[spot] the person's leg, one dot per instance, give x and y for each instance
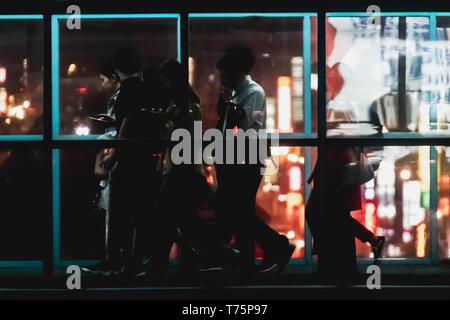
(250, 228)
(234, 211)
(190, 187)
(145, 213)
(365, 235)
(225, 215)
(161, 228)
(136, 208)
(162, 239)
(360, 231)
(176, 206)
(350, 270)
(312, 218)
(205, 238)
(269, 239)
(120, 226)
(340, 242)
(337, 256)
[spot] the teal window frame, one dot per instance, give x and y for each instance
(307, 138)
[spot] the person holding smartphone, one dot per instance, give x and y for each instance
(110, 83)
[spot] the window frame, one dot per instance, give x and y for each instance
(51, 142)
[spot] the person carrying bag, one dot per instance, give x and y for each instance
(359, 171)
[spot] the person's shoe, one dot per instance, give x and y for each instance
(141, 273)
(103, 268)
(378, 247)
(233, 262)
(211, 267)
(131, 271)
(208, 264)
(150, 267)
(277, 261)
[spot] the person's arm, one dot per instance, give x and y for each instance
(100, 171)
(336, 159)
(122, 110)
(224, 95)
(123, 128)
(107, 118)
(109, 160)
(254, 106)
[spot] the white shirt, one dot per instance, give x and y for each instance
(252, 98)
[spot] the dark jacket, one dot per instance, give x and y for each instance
(133, 104)
(340, 200)
(129, 99)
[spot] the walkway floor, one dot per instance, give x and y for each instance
(296, 282)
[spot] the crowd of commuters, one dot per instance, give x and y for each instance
(151, 203)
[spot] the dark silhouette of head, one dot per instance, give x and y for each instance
(126, 61)
(234, 64)
(153, 86)
(150, 75)
(108, 76)
(171, 73)
(174, 81)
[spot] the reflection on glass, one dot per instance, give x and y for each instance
(441, 78)
(20, 77)
(280, 202)
(281, 197)
(396, 203)
(23, 215)
(278, 47)
(82, 52)
(443, 213)
(385, 78)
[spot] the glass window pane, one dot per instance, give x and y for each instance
(280, 202)
(21, 84)
(23, 195)
(276, 42)
(441, 78)
(281, 197)
(396, 203)
(82, 53)
(82, 223)
(314, 76)
(380, 78)
(443, 213)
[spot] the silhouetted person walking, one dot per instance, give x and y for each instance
(110, 83)
(184, 187)
(239, 183)
(134, 180)
(334, 238)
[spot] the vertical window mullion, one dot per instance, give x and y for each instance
(55, 76)
(47, 115)
(321, 118)
(401, 86)
(307, 108)
(307, 73)
(434, 196)
(183, 36)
